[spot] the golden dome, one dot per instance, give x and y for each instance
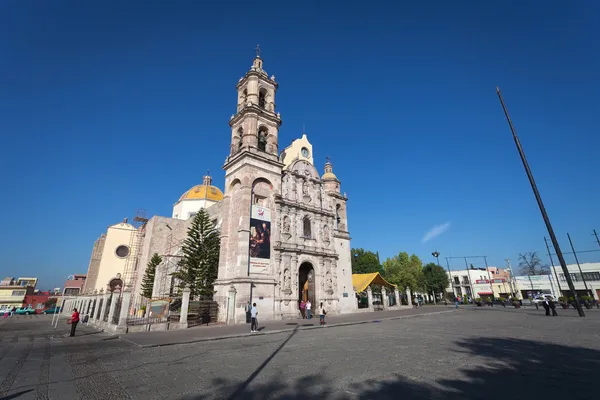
(199, 192)
(328, 175)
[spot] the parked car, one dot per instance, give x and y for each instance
(25, 311)
(53, 310)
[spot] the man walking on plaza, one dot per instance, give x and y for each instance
(253, 314)
(308, 307)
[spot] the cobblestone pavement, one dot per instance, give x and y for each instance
(474, 353)
(212, 332)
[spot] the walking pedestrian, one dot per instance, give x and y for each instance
(553, 308)
(254, 313)
(6, 313)
(456, 302)
(74, 321)
(322, 314)
(546, 307)
(308, 307)
(302, 309)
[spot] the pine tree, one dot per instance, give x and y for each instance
(148, 281)
(199, 266)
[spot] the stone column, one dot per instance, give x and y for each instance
(231, 295)
(185, 305)
(384, 299)
(124, 312)
(104, 306)
(409, 297)
(397, 296)
(113, 306)
(370, 298)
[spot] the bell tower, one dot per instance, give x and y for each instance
(252, 182)
(256, 123)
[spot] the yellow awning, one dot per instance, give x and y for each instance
(363, 281)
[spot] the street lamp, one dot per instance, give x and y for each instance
(436, 254)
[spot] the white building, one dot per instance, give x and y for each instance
(479, 282)
(531, 285)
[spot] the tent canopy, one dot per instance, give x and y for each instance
(363, 281)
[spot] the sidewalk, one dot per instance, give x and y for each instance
(217, 332)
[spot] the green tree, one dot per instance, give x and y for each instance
(405, 271)
(148, 281)
(199, 266)
(365, 262)
(435, 278)
(51, 302)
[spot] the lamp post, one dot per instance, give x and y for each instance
(541, 206)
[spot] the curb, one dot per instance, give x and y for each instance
(274, 332)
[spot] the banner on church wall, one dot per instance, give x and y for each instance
(260, 239)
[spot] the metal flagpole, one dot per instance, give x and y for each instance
(538, 197)
(553, 267)
(579, 266)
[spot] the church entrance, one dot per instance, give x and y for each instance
(306, 283)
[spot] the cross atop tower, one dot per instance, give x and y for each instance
(257, 50)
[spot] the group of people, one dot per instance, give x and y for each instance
(549, 305)
(306, 308)
(9, 312)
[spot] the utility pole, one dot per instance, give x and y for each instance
(541, 206)
(579, 266)
(553, 267)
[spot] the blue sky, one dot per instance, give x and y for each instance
(118, 106)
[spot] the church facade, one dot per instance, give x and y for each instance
(284, 228)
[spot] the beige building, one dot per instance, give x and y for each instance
(110, 255)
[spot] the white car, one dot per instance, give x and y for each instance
(542, 298)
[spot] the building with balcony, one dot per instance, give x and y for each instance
(14, 290)
(74, 285)
(481, 282)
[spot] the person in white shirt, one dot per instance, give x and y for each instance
(308, 309)
(253, 314)
(322, 314)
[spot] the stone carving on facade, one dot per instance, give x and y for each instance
(342, 227)
(326, 233)
(286, 228)
(287, 281)
(328, 283)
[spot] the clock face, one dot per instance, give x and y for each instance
(304, 152)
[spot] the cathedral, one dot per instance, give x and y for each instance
(283, 226)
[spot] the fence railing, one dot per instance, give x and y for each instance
(145, 311)
(204, 312)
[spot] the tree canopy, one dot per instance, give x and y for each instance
(199, 266)
(435, 278)
(148, 280)
(365, 262)
(531, 264)
(404, 270)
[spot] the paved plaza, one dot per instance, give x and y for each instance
(470, 353)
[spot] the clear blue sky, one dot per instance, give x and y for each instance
(116, 106)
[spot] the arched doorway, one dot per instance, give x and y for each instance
(306, 283)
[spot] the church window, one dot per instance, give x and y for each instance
(262, 139)
(262, 98)
(337, 216)
(240, 133)
(306, 225)
(122, 251)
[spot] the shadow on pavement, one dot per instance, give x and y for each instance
(508, 369)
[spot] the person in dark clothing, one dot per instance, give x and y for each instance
(553, 308)
(74, 322)
(546, 307)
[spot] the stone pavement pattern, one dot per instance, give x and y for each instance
(469, 354)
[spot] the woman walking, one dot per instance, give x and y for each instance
(302, 309)
(322, 314)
